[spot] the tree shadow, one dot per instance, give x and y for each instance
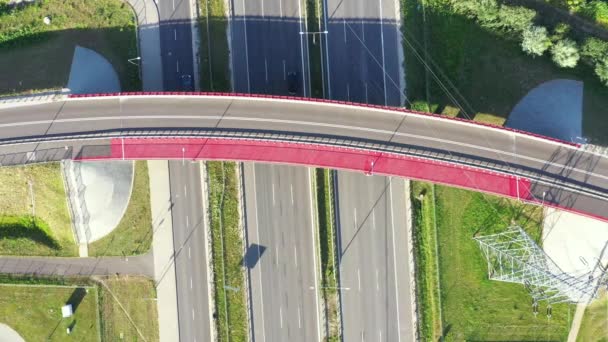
(14, 227)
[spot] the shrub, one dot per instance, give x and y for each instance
(421, 106)
(535, 41)
(560, 31)
(594, 49)
(597, 11)
(565, 53)
(517, 18)
(601, 70)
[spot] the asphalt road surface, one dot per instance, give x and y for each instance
(266, 45)
(190, 251)
(571, 177)
(374, 262)
(364, 51)
(176, 42)
(282, 259)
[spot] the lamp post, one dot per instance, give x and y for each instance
(131, 60)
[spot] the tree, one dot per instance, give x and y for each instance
(535, 40)
(601, 70)
(594, 49)
(565, 53)
(517, 18)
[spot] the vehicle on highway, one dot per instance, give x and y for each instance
(292, 82)
(186, 83)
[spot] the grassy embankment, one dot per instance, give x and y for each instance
(35, 56)
(472, 306)
(490, 72)
(34, 220)
(227, 252)
(327, 250)
(594, 326)
(133, 235)
(213, 50)
(128, 309)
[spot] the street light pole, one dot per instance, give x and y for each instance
(131, 60)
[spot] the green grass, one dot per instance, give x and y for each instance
(133, 235)
(490, 71)
(474, 307)
(327, 249)
(38, 56)
(594, 326)
(425, 243)
(227, 252)
(51, 211)
(35, 312)
(137, 296)
(213, 50)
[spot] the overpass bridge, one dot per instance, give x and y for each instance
(371, 139)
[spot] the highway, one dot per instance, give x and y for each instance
(176, 41)
(267, 45)
(570, 176)
(190, 251)
(374, 262)
(281, 232)
(364, 52)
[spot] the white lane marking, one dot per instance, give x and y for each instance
(187, 221)
(383, 61)
(284, 70)
(185, 191)
(380, 332)
(362, 336)
(276, 255)
(281, 316)
(374, 219)
(344, 30)
(291, 188)
(262, 3)
(273, 201)
(175, 34)
(355, 218)
(266, 69)
(295, 255)
(377, 281)
(173, 4)
(348, 91)
(193, 314)
(189, 254)
(299, 318)
(281, 8)
(314, 254)
(359, 278)
(390, 191)
(247, 53)
(177, 65)
(257, 224)
(363, 29)
(302, 46)
(366, 96)
(191, 283)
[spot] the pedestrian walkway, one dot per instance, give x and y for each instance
(57, 266)
(149, 44)
(162, 245)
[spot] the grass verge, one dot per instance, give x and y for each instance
(34, 55)
(313, 21)
(213, 51)
(133, 234)
(425, 243)
(34, 191)
(474, 307)
(594, 326)
(128, 309)
(227, 252)
(491, 72)
(34, 311)
(324, 184)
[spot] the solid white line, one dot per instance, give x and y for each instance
(173, 4)
(262, 3)
(295, 255)
(359, 278)
(246, 51)
(257, 224)
(377, 281)
(374, 219)
(281, 316)
(302, 47)
(266, 69)
(291, 188)
(355, 217)
(363, 29)
(299, 318)
(344, 30)
(314, 254)
(276, 255)
(175, 34)
(185, 191)
(189, 254)
(273, 202)
(380, 331)
(187, 222)
(193, 314)
(191, 283)
(383, 62)
(390, 190)
(281, 8)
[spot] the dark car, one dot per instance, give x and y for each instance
(292, 82)
(186, 83)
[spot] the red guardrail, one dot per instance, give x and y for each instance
(308, 99)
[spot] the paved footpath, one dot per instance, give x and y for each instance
(57, 266)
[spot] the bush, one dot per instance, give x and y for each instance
(565, 53)
(517, 19)
(421, 106)
(597, 11)
(560, 31)
(594, 49)
(535, 41)
(601, 70)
